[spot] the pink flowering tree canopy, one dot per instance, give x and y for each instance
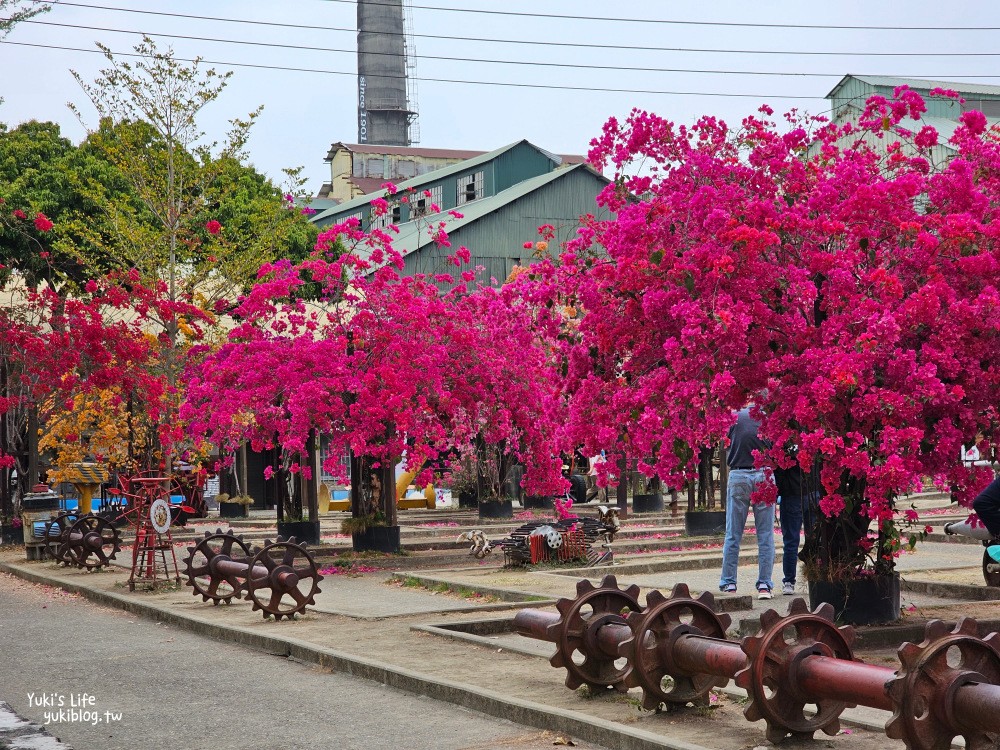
(383, 365)
(55, 347)
(836, 276)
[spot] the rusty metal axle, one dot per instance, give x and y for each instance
(947, 685)
(222, 567)
(88, 541)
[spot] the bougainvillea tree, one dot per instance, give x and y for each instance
(58, 351)
(382, 365)
(836, 276)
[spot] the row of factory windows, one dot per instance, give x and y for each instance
(468, 188)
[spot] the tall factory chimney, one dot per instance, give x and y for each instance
(386, 94)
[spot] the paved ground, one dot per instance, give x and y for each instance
(493, 676)
(142, 684)
(17, 733)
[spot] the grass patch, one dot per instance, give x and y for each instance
(162, 587)
(447, 589)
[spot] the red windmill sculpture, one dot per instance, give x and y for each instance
(150, 511)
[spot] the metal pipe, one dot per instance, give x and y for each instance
(237, 569)
(91, 539)
(842, 680)
(532, 623)
(976, 705)
(698, 654)
(610, 636)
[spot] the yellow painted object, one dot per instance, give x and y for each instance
(403, 482)
(87, 478)
(427, 501)
(408, 503)
(324, 499)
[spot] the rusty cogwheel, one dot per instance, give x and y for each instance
(575, 633)
(201, 566)
(773, 657)
(94, 542)
(57, 537)
(650, 649)
(931, 672)
(283, 568)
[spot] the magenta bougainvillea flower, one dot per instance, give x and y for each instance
(839, 277)
(384, 365)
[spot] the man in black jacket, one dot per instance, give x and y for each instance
(796, 502)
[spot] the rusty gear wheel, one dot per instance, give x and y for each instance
(576, 631)
(98, 545)
(282, 568)
(57, 537)
(201, 568)
(930, 673)
(772, 659)
(650, 649)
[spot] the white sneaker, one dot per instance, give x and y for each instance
(764, 593)
(788, 589)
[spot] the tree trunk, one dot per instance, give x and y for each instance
(622, 487)
(6, 501)
(32, 448)
(243, 470)
(312, 497)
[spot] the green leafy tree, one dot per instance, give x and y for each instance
(13, 12)
(41, 172)
(191, 186)
(197, 218)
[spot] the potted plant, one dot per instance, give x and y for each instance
(292, 487)
(371, 533)
(704, 517)
(646, 496)
(494, 466)
(373, 491)
(234, 506)
(464, 485)
(851, 565)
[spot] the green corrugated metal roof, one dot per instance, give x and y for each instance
(944, 126)
(413, 235)
(921, 83)
(437, 174)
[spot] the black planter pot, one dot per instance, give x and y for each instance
(538, 502)
(304, 531)
(496, 509)
(377, 539)
(704, 522)
(859, 601)
(648, 503)
(233, 510)
(10, 535)
(468, 500)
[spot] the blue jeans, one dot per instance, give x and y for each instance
(794, 511)
(742, 483)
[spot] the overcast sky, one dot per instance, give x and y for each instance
(304, 112)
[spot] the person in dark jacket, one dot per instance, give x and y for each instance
(987, 507)
(796, 501)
